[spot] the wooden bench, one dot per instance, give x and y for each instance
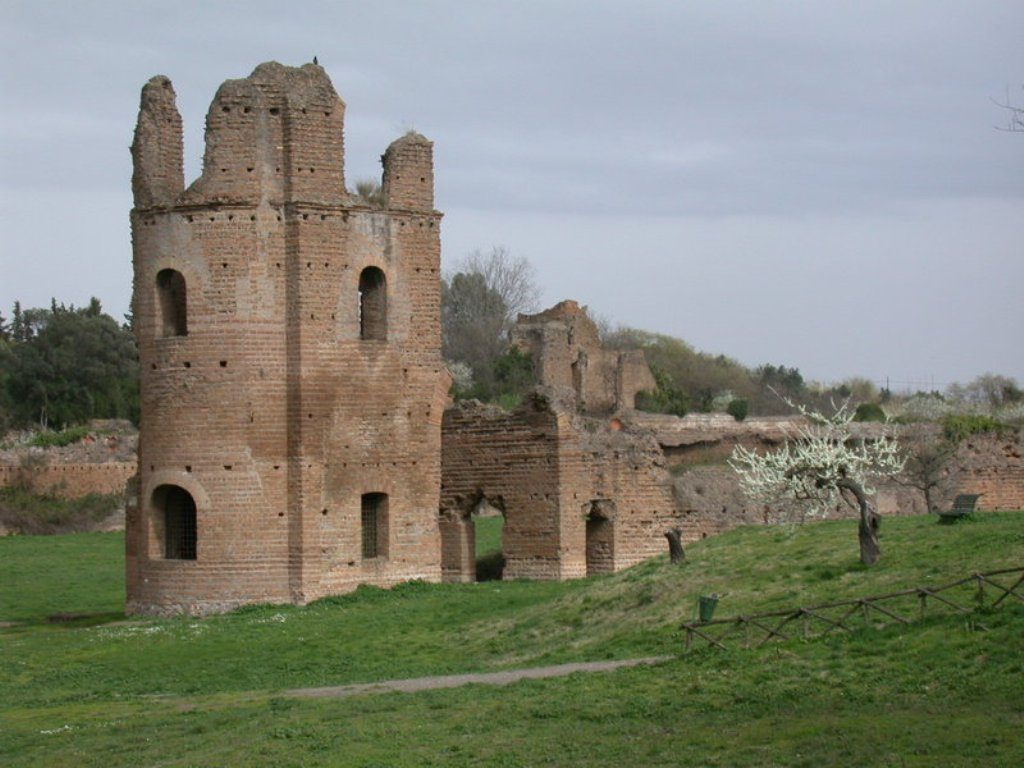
(963, 506)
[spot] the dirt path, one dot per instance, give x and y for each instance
(413, 684)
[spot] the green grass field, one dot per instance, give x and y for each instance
(104, 691)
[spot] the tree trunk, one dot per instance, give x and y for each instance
(675, 545)
(870, 549)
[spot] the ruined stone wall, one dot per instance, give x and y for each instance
(613, 479)
(709, 497)
(70, 481)
(695, 431)
(265, 394)
(711, 502)
(512, 460)
(567, 354)
(579, 497)
(992, 465)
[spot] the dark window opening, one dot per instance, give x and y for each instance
(373, 304)
(173, 302)
(375, 525)
(178, 510)
(600, 538)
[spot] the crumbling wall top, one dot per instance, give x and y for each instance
(408, 179)
(158, 175)
(275, 135)
(568, 353)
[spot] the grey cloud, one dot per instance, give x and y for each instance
(739, 134)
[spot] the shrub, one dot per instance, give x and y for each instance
(869, 412)
(31, 513)
(666, 398)
(50, 439)
(512, 378)
(508, 401)
(923, 406)
(738, 408)
(1012, 414)
(956, 427)
(371, 192)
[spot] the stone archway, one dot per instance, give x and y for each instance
(458, 538)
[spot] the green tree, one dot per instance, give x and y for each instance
(473, 324)
(480, 302)
(512, 378)
(700, 376)
(69, 366)
(781, 378)
(738, 409)
(666, 398)
(17, 324)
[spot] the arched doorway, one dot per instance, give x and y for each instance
(600, 521)
(470, 553)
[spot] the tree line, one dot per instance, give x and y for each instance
(66, 365)
(63, 365)
(486, 292)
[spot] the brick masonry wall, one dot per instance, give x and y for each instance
(711, 502)
(272, 411)
(618, 475)
(992, 465)
(567, 354)
(709, 497)
(70, 481)
(549, 471)
(511, 459)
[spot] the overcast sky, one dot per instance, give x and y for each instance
(813, 184)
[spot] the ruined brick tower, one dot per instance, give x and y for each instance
(289, 341)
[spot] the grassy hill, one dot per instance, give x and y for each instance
(100, 690)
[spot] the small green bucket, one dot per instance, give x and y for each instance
(707, 605)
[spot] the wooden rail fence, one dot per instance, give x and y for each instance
(847, 615)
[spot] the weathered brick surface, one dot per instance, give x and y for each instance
(277, 395)
(618, 475)
(711, 501)
(273, 412)
(992, 465)
(549, 469)
(567, 354)
(512, 459)
(68, 480)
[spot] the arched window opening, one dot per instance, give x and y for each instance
(170, 286)
(375, 525)
(373, 304)
(177, 510)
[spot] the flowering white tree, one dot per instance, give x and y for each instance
(821, 464)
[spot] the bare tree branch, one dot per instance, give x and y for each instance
(1015, 115)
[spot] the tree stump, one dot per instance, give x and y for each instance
(675, 545)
